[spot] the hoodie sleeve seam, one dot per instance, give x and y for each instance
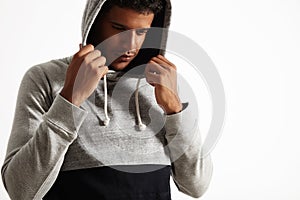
(69, 133)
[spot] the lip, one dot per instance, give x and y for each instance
(125, 58)
(125, 53)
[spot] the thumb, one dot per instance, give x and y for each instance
(80, 46)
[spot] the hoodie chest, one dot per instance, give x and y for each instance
(126, 101)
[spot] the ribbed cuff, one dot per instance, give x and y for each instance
(181, 122)
(66, 115)
(182, 132)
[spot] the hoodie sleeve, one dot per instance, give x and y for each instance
(190, 171)
(43, 128)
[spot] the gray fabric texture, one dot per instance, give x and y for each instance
(50, 134)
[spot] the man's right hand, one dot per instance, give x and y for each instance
(83, 74)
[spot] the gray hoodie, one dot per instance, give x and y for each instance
(50, 134)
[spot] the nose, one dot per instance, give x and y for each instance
(130, 40)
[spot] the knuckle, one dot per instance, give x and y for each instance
(90, 47)
(105, 68)
(77, 55)
(97, 53)
(95, 70)
(103, 59)
(85, 61)
(100, 62)
(101, 71)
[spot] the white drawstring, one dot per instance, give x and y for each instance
(107, 119)
(141, 126)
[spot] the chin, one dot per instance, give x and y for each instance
(118, 66)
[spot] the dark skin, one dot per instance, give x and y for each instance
(89, 65)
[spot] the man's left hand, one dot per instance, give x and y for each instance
(162, 74)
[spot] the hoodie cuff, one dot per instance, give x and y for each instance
(66, 115)
(184, 120)
(182, 133)
(182, 126)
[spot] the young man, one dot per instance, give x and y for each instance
(84, 132)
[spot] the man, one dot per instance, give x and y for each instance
(77, 131)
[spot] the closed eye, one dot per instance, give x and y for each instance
(119, 28)
(141, 31)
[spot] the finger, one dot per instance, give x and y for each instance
(153, 79)
(92, 55)
(99, 62)
(164, 62)
(161, 63)
(84, 50)
(102, 71)
(154, 67)
(167, 61)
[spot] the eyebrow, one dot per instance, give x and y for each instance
(126, 27)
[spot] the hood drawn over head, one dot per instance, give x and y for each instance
(155, 38)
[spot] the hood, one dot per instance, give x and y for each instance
(162, 20)
(156, 38)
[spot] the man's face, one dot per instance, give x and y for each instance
(121, 49)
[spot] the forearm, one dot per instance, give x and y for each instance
(30, 170)
(190, 172)
(28, 173)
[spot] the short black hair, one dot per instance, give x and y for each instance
(141, 6)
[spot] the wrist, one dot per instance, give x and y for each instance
(65, 93)
(173, 109)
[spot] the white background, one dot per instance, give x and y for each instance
(254, 44)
